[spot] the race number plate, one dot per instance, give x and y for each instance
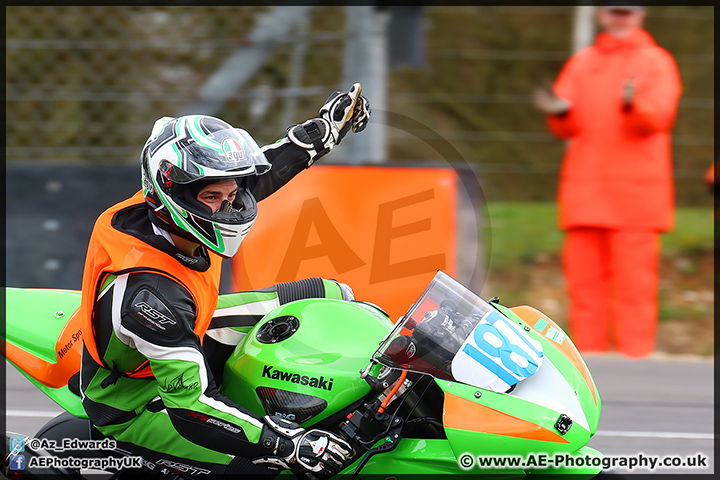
(496, 355)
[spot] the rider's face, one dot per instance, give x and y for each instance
(214, 194)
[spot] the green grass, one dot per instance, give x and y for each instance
(520, 232)
(693, 232)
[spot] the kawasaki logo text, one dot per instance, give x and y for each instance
(269, 372)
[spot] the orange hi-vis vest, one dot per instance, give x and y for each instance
(113, 252)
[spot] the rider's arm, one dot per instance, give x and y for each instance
(306, 142)
(287, 160)
(197, 410)
(237, 313)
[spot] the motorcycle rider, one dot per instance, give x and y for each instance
(150, 292)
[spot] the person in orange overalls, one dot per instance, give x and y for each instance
(709, 180)
(710, 177)
(616, 102)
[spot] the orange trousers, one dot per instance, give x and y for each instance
(612, 281)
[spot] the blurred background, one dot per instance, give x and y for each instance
(85, 84)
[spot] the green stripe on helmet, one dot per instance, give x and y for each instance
(177, 152)
(198, 135)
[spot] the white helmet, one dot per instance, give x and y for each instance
(185, 154)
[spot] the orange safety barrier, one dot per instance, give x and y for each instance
(384, 231)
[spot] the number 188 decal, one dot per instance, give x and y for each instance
(496, 355)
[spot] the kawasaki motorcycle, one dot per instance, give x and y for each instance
(458, 385)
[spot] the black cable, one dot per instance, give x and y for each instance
(370, 453)
(387, 429)
(422, 394)
(400, 403)
(404, 397)
(362, 463)
(430, 420)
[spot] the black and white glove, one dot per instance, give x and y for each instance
(342, 112)
(346, 110)
(313, 453)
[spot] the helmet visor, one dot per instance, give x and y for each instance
(225, 153)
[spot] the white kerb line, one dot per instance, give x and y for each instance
(599, 433)
(688, 435)
(32, 413)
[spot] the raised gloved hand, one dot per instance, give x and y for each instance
(342, 112)
(346, 110)
(546, 101)
(313, 453)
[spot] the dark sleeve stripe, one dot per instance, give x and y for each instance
(287, 160)
(211, 432)
(235, 321)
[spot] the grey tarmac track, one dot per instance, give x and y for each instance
(660, 406)
(656, 407)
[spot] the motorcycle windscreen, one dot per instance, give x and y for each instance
(453, 334)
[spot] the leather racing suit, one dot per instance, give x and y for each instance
(149, 369)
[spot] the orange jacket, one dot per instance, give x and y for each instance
(617, 169)
(710, 174)
(114, 252)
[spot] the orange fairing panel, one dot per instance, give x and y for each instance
(68, 349)
(531, 316)
(463, 414)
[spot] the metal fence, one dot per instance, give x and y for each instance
(85, 83)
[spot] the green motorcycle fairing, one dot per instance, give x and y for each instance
(314, 371)
(334, 340)
(308, 368)
(44, 341)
